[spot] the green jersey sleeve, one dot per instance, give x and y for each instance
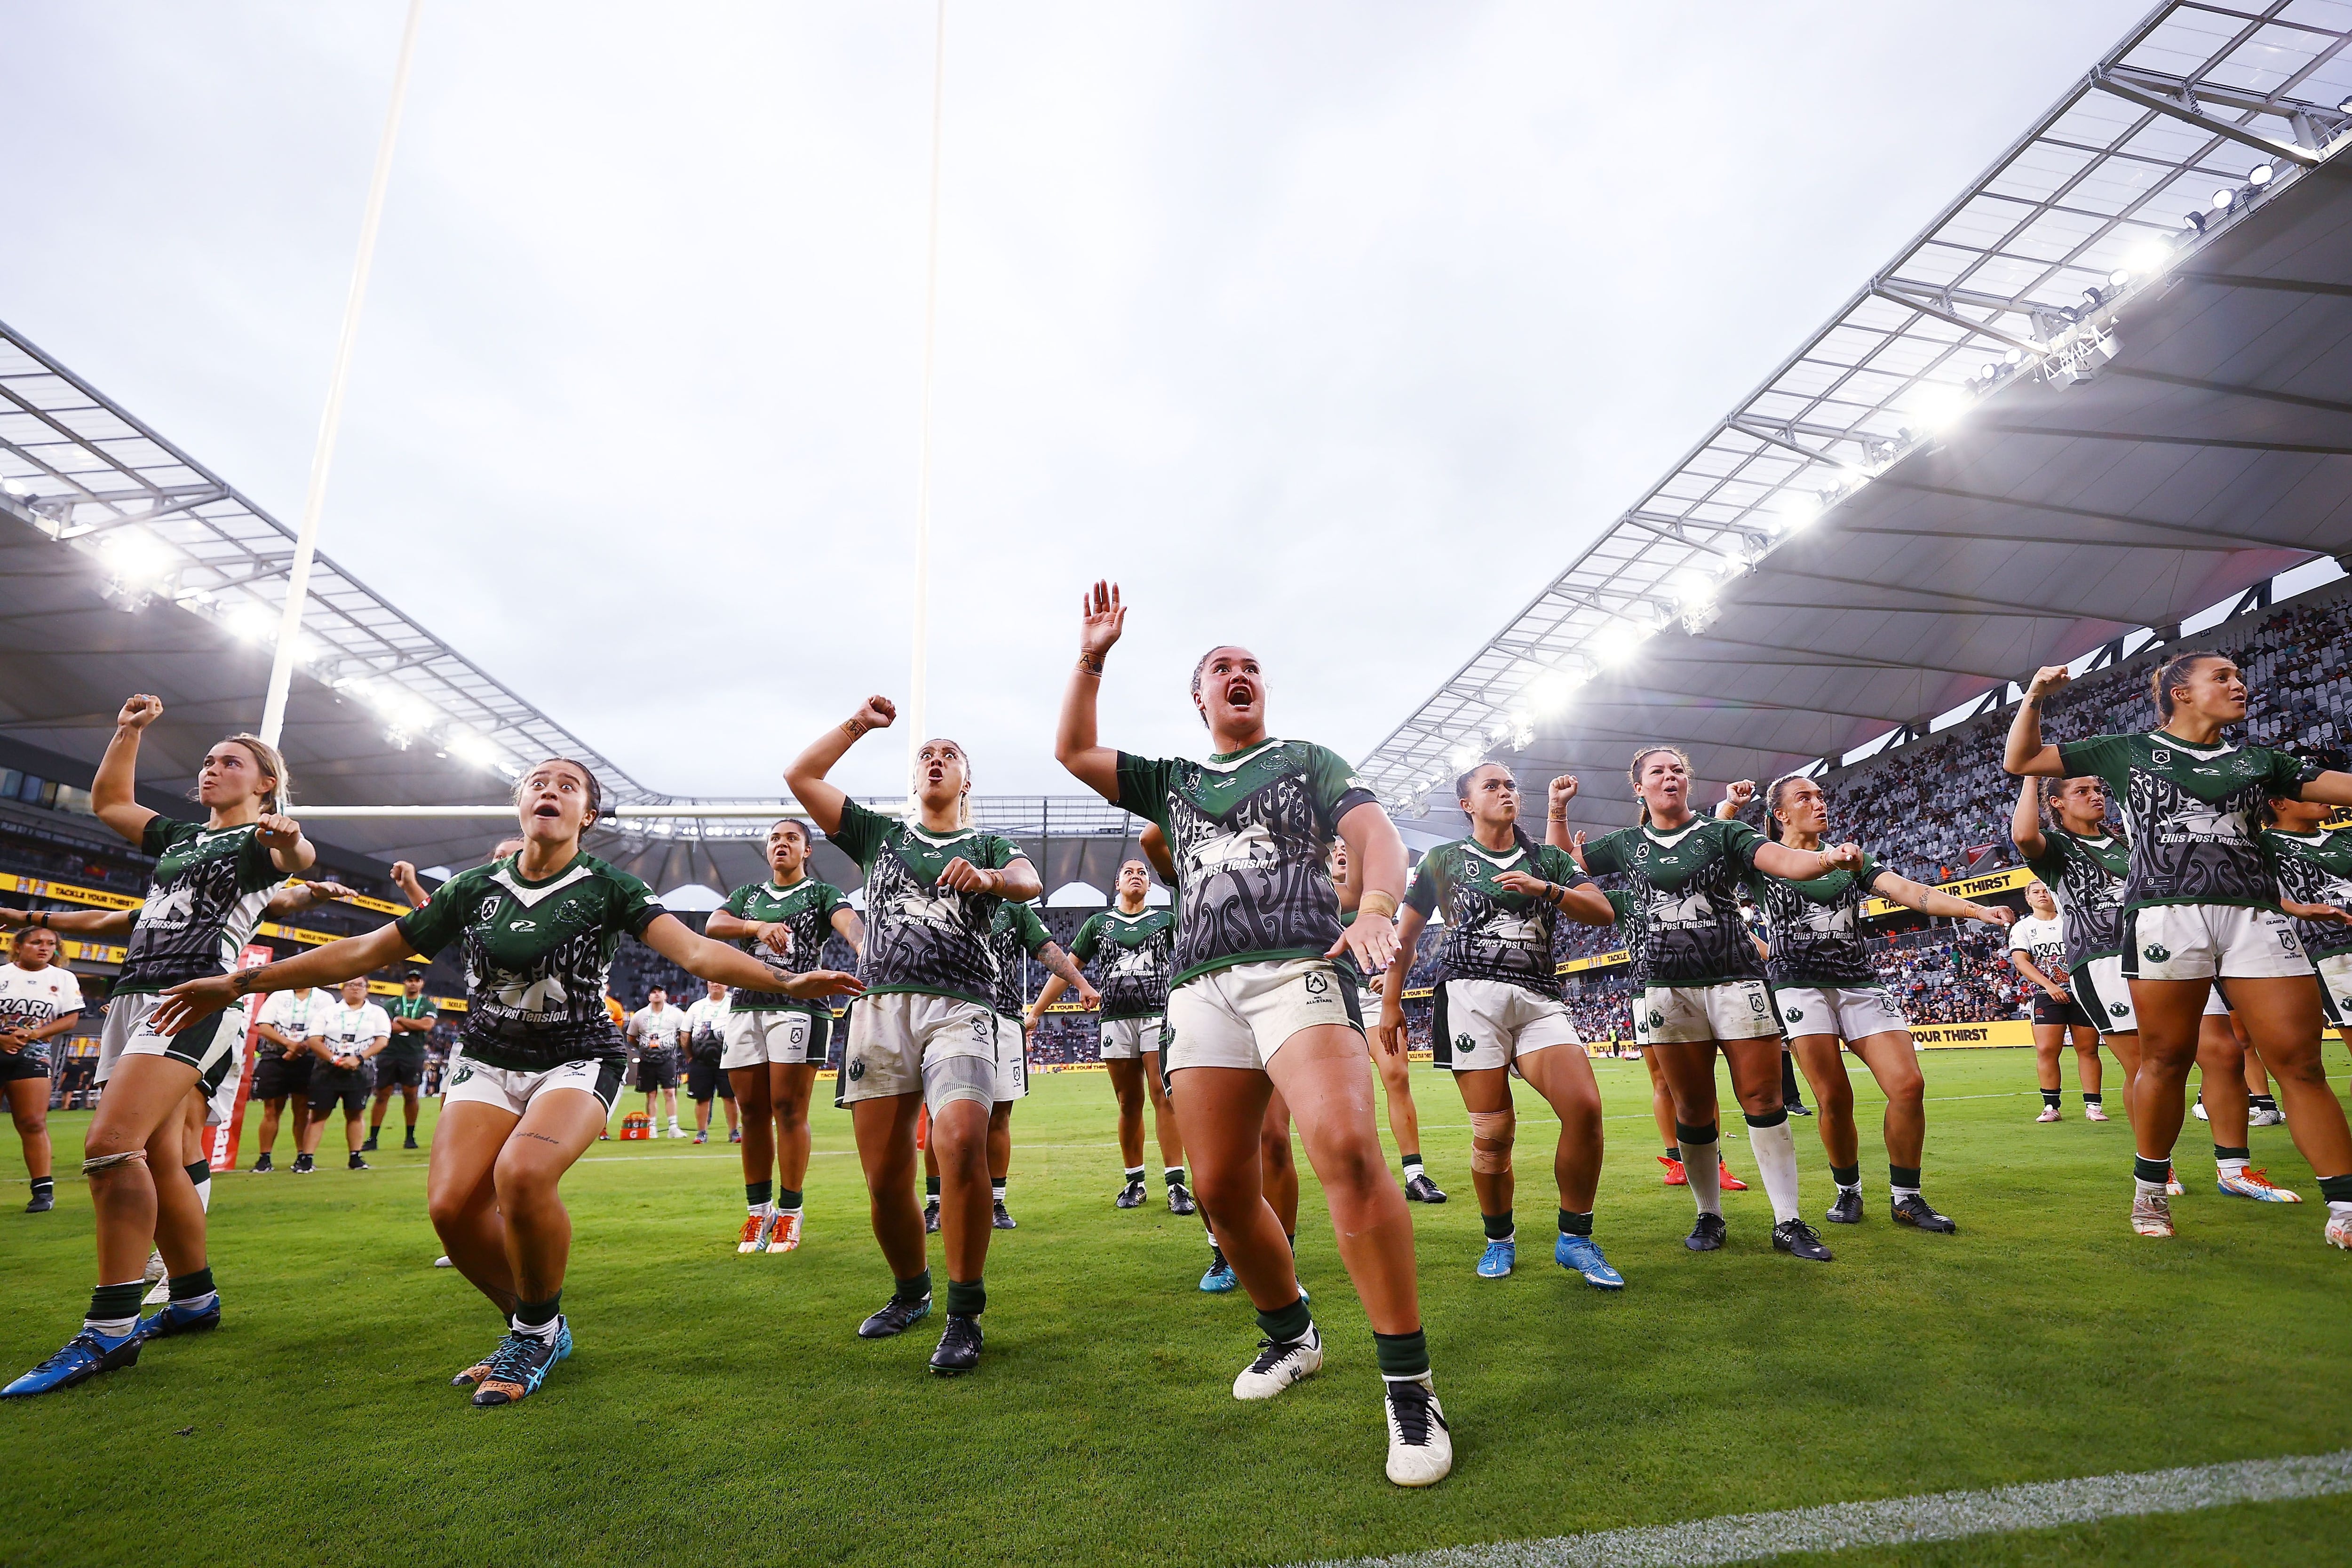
(738, 900)
(1554, 864)
(1338, 790)
(861, 833)
(1143, 788)
(1082, 947)
(435, 926)
(635, 906)
(2104, 756)
(1606, 854)
(1740, 842)
(157, 835)
(1422, 893)
(833, 902)
(2288, 773)
(1033, 935)
(1002, 852)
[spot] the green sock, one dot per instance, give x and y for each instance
(788, 1200)
(967, 1298)
(1575, 1223)
(2336, 1189)
(1498, 1225)
(1173, 1175)
(1846, 1175)
(112, 1303)
(931, 1188)
(2147, 1170)
(1411, 1166)
(913, 1288)
(756, 1193)
(192, 1287)
(1403, 1356)
(1284, 1324)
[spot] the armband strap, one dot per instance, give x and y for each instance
(1377, 903)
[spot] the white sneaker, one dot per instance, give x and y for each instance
(1421, 1447)
(2049, 1113)
(2339, 1228)
(2197, 1110)
(1278, 1366)
(443, 1262)
(2094, 1114)
(677, 1131)
(155, 1270)
(2151, 1215)
(2271, 1116)
(2172, 1187)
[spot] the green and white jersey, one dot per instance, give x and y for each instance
(1135, 952)
(807, 907)
(2315, 868)
(1687, 884)
(209, 889)
(1014, 932)
(921, 937)
(1250, 832)
(1814, 927)
(2086, 876)
(1491, 932)
(406, 1044)
(2190, 814)
(537, 954)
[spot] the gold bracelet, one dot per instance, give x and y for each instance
(1377, 903)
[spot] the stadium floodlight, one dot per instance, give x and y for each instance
(15, 487)
(1796, 511)
(2147, 258)
(2224, 199)
(2261, 174)
(1938, 405)
(1550, 691)
(470, 748)
(1523, 731)
(1466, 757)
(251, 623)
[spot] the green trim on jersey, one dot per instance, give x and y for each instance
(1491, 932)
(1814, 927)
(2315, 868)
(537, 955)
(1137, 950)
(1014, 932)
(1250, 832)
(211, 885)
(2086, 876)
(2190, 814)
(1688, 884)
(807, 907)
(922, 938)
(407, 1045)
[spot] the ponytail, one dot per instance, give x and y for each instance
(2174, 672)
(1772, 804)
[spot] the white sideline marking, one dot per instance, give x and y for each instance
(1902, 1522)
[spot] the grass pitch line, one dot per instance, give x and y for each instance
(1902, 1521)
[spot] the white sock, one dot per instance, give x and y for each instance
(197, 1303)
(2149, 1189)
(996, 1190)
(545, 1331)
(112, 1328)
(1705, 1173)
(763, 1210)
(2337, 1205)
(204, 1195)
(1776, 1160)
(2231, 1167)
(1899, 1193)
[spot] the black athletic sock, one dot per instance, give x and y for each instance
(1846, 1175)
(2147, 1170)
(758, 1195)
(1903, 1178)
(913, 1288)
(1575, 1223)
(1674, 1152)
(1790, 1094)
(1173, 1175)
(111, 1306)
(45, 1186)
(788, 1200)
(2049, 1097)
(537, 1318)
(1290, 1240)
(932, 1189)
(192, 1288)
(1498, 1225)
(2262, 1102)
(1402, 1356)
(200, 1171)
(967, 1298)
(2090, 1097)
(1284, 1324)
(2336, 1189)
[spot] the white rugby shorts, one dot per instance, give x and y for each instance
(512, 1089)
(1012, 1059)
(1126, 1039)
(2207, 942)
(908, 1042)
(1849, 1011)
(1240, 1016)
(1476, 1024)
(784, 1035)
(1731, 1010)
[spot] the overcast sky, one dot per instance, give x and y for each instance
(1334, 329)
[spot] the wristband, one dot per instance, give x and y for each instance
(1377, 903)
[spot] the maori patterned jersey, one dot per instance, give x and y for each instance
(1491, 932)
(1135, 950)
(1686, 885)
(806, 908)
(2315, 868)
(2086, 876)
(2190, 813)
(1814, 928)
(1015, 933)
(536, 954)
(1250, 832)
(921, 937)
(210, 886)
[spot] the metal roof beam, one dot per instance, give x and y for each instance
(1893, 296)
(2231, 389)
(2125, 83)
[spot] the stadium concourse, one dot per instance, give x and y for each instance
(2093, 416)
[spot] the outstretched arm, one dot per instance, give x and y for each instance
(1912, 895)
(112, 791)
(1101, 619)
(1583, 903)
(821, 800)
(1804, 865)
(2025, 822)
(329, 965)
(2026, 753)
(2330, 789)
(74, 922)
(707, 959)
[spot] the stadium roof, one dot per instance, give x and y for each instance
(2108, 386)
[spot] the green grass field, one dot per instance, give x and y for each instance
(720, 1409)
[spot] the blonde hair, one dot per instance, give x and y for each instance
(1634, 772)
(272, 763)
(915, 782)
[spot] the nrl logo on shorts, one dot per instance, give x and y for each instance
(2156, 952)
(1316, 983)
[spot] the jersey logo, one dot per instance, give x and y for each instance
(2160, 757)
(522, 925)
(2156, 952)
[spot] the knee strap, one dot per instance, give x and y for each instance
(1496, 1127)
(92, 1166)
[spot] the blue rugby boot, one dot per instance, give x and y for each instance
(521, 1363)
(85, 1355)
(1498, 1259)
(174, 1318)
(1579, 1255)
(1220, 1276)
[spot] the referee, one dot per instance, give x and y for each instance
(401, 1064)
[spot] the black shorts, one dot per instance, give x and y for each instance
(656, 1072)
(275, 1077)
(2049, 1009)
(706, 1079)
(398, 1072)
(329, 1088)
(16, 1066)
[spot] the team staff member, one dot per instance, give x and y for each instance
(281, 1069)
(401, 1064)
(924, 1036)
(345, 1041)
(706, 1043)
(658, 1030)
(39, 1000)
(1257, 1007)
(2200, 907)
(776, 1041)
(2037, 949)
(211, 881)
(1132, 944)
(542, 1063)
